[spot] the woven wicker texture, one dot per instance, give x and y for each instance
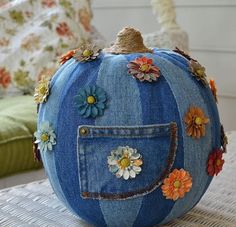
(35, 204)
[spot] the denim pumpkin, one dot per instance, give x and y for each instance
(147, 116)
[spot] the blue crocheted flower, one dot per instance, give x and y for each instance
(45, 137)
(91, 101)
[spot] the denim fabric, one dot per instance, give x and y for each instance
(65, 150)
(158, 99)
(197, 150)
(120, 112)
(49, 113)
(94, 148)
(130, 104)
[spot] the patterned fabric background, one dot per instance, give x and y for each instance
(33, 33)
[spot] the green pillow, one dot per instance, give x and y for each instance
(17, 125)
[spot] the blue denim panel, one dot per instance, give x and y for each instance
(152, 142)
(214, 119)
(124, 109)
(66, 154)
(49, 112)
(207, 97)
(158, 99)
(213, 114)
(177, 58)
(195, 150)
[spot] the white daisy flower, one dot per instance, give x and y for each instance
(45, 137)
(125, 162)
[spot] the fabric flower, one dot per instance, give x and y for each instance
(86, 52)
(5, 78)
(223, 139)
(45, 137)
(177, 184)
(91, 101)
(125, 162)
(177, 50)
(65, 57)
(213, 89)
(215, 162)
(195, 121)
(143, 69)
(42, 90)
(198, 71)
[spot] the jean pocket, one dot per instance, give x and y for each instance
(105, 153)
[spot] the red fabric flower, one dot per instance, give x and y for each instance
(63, 29)
(5, 78)
(215, 162)
(143, 69)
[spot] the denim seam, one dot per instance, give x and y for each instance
(154, 131)
(146, 190)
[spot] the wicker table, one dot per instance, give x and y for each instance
(35, 204)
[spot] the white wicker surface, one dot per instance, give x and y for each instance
(35, 204)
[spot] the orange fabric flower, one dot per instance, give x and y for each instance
(65, 57)
(5, 78)
(143, 69)
(177, 184)
(195, 121)
(215, 162)
(213, 89)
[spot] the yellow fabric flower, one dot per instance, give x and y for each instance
(42, 90)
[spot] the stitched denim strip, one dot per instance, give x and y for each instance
(158, 99)
(127, 131)
(120, 113)
(48, 112)
(66, 155)
(196, 150)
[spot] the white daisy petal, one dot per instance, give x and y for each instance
(126, 174)
(120, 172)
(112, 161)
(136, 156)
(49, 146)
(137, 169)
(132, 173)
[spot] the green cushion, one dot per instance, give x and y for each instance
(17, 125)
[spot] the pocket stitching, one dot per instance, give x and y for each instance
(141, 192)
